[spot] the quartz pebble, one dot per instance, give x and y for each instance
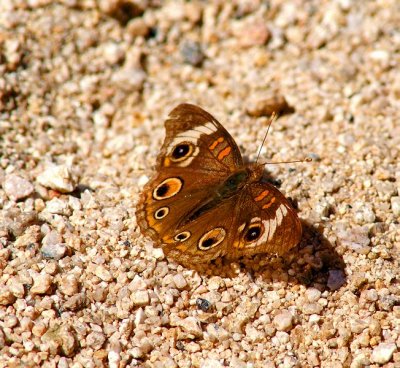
(192, 326)
(57, 177)
(283, 321)
(41, 284)
(383, 353)
(17, 187)
(395, 203)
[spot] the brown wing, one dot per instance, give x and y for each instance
(266, 222)
(197, 155)
(195, 140)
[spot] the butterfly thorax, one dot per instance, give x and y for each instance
(240, 178)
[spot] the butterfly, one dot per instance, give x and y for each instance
(204, 202)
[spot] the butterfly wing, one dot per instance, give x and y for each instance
(267, 223)
(197, 155)
(197, 141)
(259, 219)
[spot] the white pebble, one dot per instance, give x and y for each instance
(17, 187)
(283, 321)
(383, 352)
(58, 177)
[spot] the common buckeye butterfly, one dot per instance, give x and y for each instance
(204, 202)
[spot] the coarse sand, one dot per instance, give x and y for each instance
(84, 89)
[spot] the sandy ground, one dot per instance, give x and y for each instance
(84, 89)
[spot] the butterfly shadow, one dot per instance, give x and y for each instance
(314, 262)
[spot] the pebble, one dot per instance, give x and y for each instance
(252, 33)
(217, 333)
(212, 363)
(6, 296)
(61, 339)
(17, 188)
(356, 239)
(283, 321)
(312, 294)
(57, 206)
(53, 246)
(336, 279)
(41, 284)
(179, 281)
(69, 284)
(358, 325)
(192, 53)
(203, 304)
(104, 274)
(191, 326)
(140, 298)
(383, 352)
(95, 340)
(312, 308)
(268, 106)
(58, 177)
(395, 204)
(360, 361)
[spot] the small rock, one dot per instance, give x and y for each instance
(215, 283)
(130, 78)
(217, 333)
(360, 361)
(212, 363)
(356, 239)
(203, 304)
(17, 187)
(52, 246)
(386, 190)
(192, 53)
(383, 352)
(140, 298)
(76, 302)
(358, 325)
(283, 321)
(312, 308)
(244, 312)
(16, 287)
(312, 294)
(268, 106)
(61, 340)
(179, 281)
(137, 27)
(57, 206)
(95, 340)
(69, 285)
(6, 296)
(395, 204)
(58, 177)
(252, 33)
(102, 273)
(336, 279)
(165, 362)
(253, 334)
(41, 284)
(191, 326)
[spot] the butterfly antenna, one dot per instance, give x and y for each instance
(273, 117)
(307, 159)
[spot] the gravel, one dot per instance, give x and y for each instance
(84, 90)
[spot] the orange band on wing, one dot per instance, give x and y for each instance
(225, 152)
(261, 196)
(269, 204)
(216, 143)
